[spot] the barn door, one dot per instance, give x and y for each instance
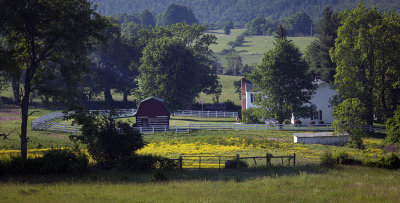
(145, 122)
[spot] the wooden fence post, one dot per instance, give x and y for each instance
(266, 159)
(237, 162)
(294, 159)
(199, 163)
(180, 163)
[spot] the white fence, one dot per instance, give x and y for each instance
(214, 114)
(50, 121)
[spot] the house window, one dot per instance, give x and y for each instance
(251, 98)
(317, 115)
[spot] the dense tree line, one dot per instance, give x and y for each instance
(240, 12)
(299, 24)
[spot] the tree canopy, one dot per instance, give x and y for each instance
(284, 83)
(367, 52)
(48, 36)
(317, 53)
(176, 14)
(176, 64)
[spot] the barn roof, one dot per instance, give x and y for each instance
(151, 109)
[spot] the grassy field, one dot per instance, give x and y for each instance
(228, 90)
(276, 184)
(307, 182)
(254, 47)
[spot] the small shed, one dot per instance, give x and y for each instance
(324, 138)
(152, 112)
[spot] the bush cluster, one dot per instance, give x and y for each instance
(137, 162)
(52, 162)
(251, 115)
(232, 164)
(329, 160)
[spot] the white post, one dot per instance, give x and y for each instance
(153, 129)
(165, 128)
(256, 126)
(176, 129)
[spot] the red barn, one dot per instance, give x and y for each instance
(152, 112)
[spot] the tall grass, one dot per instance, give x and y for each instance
(348, 184)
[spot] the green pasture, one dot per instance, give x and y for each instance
(254, 47)
(275, 184)
(228, 91)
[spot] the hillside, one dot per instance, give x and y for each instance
(238, 11)
(254, 47)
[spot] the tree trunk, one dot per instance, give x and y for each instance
(16, 93)
(125, 95)
(25, 108)
(107, 95)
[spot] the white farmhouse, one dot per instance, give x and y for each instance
(320, 99)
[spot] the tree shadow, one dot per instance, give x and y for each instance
(114, 176)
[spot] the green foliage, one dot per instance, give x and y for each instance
(312, 122)
(327, 160)
(251, 115)
(234, 64)
(137, 162)
(284, 83)
(392, 161)
(298, 24)
(52, 162)
(176, 65)
(106, 140)
(366, 53)
(227, 27)
(317, 53)
(286, 122)
(50, 38)
(349, 118)
(176, 14)
(393, 128)
(217, 13)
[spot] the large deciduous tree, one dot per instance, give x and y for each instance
(284, 83)
(42, 31)
(367, 52)
(177, 64)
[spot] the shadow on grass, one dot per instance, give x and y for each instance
(172, 175)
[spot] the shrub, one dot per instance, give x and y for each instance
(312, 122)
(320, 122)
(52, 162)
(286, 121)
(297, 122)
(232, 164)
(327, 160)
(158, 175)
(146, 163)
(389, 162)
(342, 157)
(105, 139)
(393, 128)
(251, 115)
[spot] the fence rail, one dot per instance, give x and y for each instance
(230, 162)
(213, 114)
(50, 121)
